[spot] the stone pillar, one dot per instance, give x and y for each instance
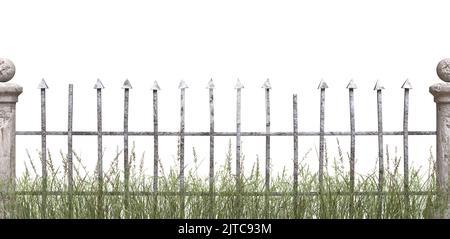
(441, 93)
(9, 93)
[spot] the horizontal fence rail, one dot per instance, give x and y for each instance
(247, 194)
(173, 133)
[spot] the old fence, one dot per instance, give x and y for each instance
(9, 93)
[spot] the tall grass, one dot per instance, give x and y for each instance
(333, 202)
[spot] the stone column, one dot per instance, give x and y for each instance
(441, 93)
(9, 93)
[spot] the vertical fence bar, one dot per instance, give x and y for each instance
(126, 86)
(238, 88)
(70, 151)
(267, 88)
(322, 86)
(238, 133)
(182, 88)
(211, 149)
(295, 187)
(351, 86)
(43, 86)
(155, 90)
(379, 89)
(406, 86)
(99, 86)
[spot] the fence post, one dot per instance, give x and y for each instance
(441, 93)
(9, 93)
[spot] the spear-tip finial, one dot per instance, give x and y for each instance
(266, 85)
(238, 84)
(127, 85)
(322, 85)
(210, 84)
(99, 85)
(378, 86)
(351, 84)
(182, 85)
(407, 84)
(42, 85)
(155, 86)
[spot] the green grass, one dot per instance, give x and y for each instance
(228, 204)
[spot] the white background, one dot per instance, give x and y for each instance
(294, 43)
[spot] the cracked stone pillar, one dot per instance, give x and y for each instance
(441, 93)
(9, 93)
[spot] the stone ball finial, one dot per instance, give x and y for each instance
(7, 70)
(443, 69)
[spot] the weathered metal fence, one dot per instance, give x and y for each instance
(440, 91)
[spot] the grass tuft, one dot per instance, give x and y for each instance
(333, 202)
